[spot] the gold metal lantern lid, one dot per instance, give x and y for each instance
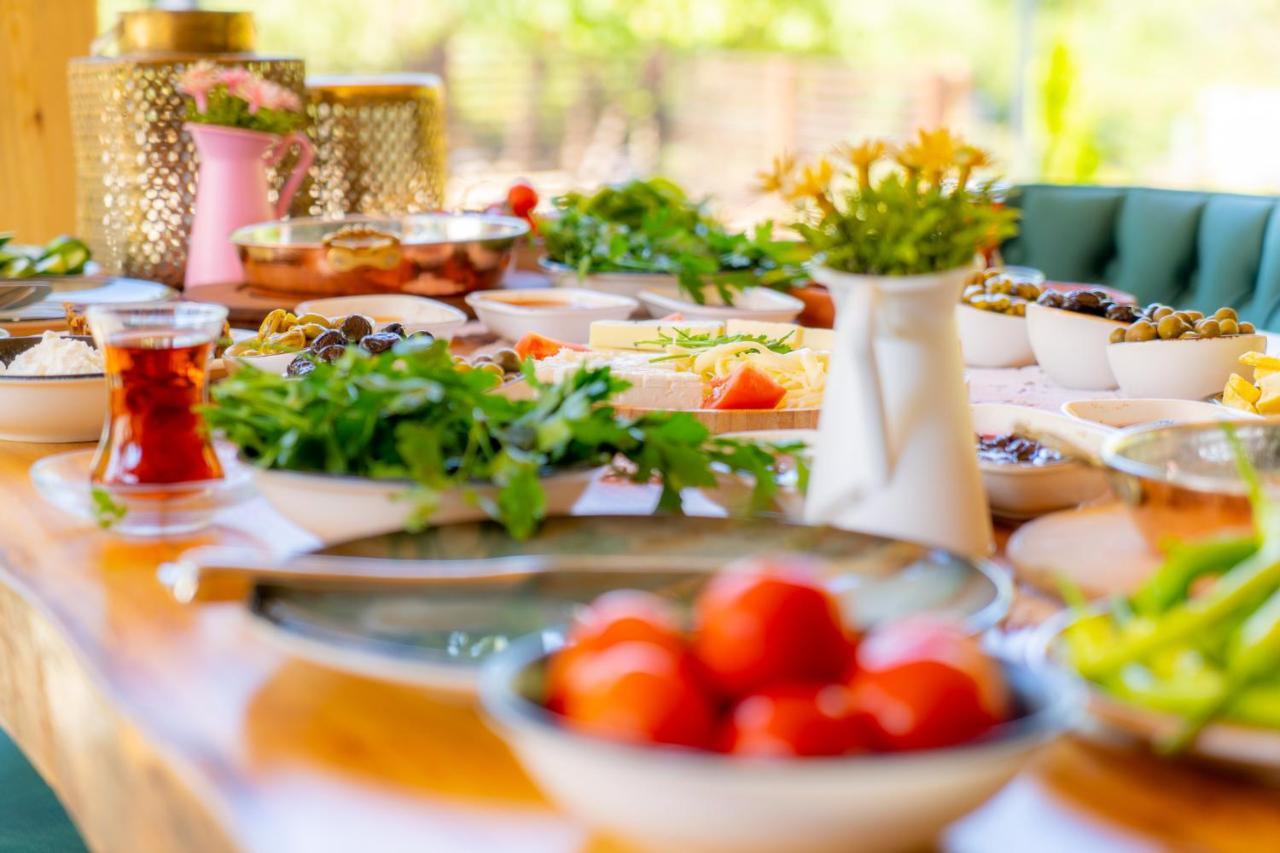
(157, 31)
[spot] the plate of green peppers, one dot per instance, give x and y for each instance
(1189, 664)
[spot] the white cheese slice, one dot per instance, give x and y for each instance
(820, 339)
(769, 330)
(627, 334)
(653, 386)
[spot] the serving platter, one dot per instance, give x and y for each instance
(92, 289)
(742, 420)
(428, 608)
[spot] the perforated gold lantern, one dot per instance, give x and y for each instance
(380, 145)
(135, 167)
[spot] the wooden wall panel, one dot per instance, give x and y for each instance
(37, 172)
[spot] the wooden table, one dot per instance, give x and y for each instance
(170, 727)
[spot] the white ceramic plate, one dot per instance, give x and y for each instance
(1125, 413)
(752, 303)
(620, 283)
(1025, 491)
(50, 409)
(336, 508)
(415, 313)
(1072, 347)
(1180, 369)
(90, 290)
(508, 313)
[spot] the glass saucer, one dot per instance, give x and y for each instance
(168, 509)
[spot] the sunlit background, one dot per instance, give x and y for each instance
(1180, 93)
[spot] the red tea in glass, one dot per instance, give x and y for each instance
(157, 370)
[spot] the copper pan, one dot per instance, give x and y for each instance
(428, 254)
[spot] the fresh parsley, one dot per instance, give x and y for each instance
(705, 340)
(653, 227)
(412, 414)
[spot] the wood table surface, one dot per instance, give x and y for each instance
(171, 727)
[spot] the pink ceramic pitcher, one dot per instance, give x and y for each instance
(232, 192)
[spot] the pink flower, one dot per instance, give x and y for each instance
(197, 80)
(283, 99)
(255, 92)
(236, 76)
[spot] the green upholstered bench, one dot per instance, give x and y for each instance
(1194, 250)
(31, 818)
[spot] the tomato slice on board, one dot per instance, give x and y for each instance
(540, 346)
(746, 388)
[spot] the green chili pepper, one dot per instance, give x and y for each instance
(1186, 564)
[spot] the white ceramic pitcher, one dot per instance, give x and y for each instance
(895, 451)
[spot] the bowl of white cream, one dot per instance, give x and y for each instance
(52, 389)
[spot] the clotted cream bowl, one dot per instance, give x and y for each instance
(620, 283)
(337, 508)
(563, 313)
(667, 798)
(50, 409)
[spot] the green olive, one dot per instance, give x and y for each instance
(1195, 315)
(971, 291)
(999, 302)
(999, 285)
(1226, 313)
(1159, 312)
(1190, 336)
(1247, 328)
(1118, 335)
(1142, 330)
(1228, 326)
(509, 359)
(312, 330)
(318, 319)
(1208, 328)
(1170, 326)
(1027, 290)
(490, 367)
(1018, 309)
(294, 339)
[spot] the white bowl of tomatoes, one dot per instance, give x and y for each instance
(769, 725)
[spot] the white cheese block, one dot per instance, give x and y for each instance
(627, 334)
(653, 386)
(823, 339)
(769, 330)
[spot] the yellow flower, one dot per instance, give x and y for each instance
(935, 151)
(863, 156)
(970, 157)
(813, 183)
(775, 180)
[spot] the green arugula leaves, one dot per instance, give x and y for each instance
(412, 414)
(653, 227)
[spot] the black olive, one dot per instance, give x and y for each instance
(1087, 298)
(1123, 313)
(330, 354)
(300, 366)
(1050, 299)
(330, 338)
(378, 342)
(356, 327)
(396, 329)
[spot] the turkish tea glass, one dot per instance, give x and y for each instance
(157, 365)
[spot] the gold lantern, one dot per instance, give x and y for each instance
(135, 167)
(380, 145)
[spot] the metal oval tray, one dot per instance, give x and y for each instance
(437, 628)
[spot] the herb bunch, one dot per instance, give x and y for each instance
(870, 209)
(411, 414)
(693, 341)
(653, 227)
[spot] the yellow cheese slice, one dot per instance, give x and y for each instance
(823, 339)
(1242, 388)
(1269, 402)
(1260, 359)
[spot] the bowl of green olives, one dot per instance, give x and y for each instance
(1070, 332)
(1183, 355)
(991, 318)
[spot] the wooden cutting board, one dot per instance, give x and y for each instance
(743, 420)
(1097, 548)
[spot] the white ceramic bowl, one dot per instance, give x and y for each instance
(278, 363)
(1121, 414)
(50, 409)
(337, 509)
(753, 303)
(1025, 491)
(619, 283)
(1072, 347)
(1180, 369)
(415, 313)
(989, 339)
(512, 314)
(667, 798)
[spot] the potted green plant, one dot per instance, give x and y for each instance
(894, 234)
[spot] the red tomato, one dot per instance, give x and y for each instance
(794, 720)
(620, 616)
(768, 623)
(522, 199)
(746, 388)
(921, 683)
(540, 346)
(639, 692)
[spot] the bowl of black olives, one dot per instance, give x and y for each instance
(1183, 355)
(1069, 334)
